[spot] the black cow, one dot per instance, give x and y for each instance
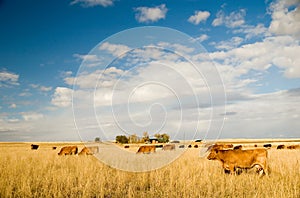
(34, 146)
(267, 145)
(281, 146)
(238, 147)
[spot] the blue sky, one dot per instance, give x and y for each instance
(253, 45)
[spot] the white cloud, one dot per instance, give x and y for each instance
(114, 49)
(13, 106)
(104, 78)
(257, 56)
(89, 60)
(230, 44)
(233, 20)
(253, 31)
(32, 116)
(62, 97)
(285, 18)
(44, 88)
(92, 3)
(87, 57)
(150, 14)
(8, 78)
(202, 38)
(183, 49)
(41, 87)
(199, 16)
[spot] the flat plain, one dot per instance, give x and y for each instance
(42, 173)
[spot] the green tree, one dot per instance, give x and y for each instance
(97, 139)
(122, 139)
(162, 138)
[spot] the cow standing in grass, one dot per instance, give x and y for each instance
(146, 149)
(168, 147)
(89, 150)
(233, 160)
(34, 146)
(68, 150)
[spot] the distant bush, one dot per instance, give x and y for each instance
(122, 139)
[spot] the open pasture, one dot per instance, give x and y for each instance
(42, 173)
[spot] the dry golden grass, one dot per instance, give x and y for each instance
(42, 173)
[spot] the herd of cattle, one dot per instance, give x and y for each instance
(234, 159)
(72, 150)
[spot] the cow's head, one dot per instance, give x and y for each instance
(213, 154)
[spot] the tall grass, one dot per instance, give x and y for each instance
(42, 173)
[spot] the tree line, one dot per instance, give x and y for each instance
(123, 139)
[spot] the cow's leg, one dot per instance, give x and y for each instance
(232, 169)
(226, 168)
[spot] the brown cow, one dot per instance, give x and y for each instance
(147, 149)
(293, 147)
(281, 146)
(68, 150)
(233, 160)
(221, 146)
(89, 150)
(238, 147)
(169, 147)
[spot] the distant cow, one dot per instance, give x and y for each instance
(293, 147)
(267, 145)
(68, 150)
(281, 146)
(54, 148)
(233, 160)
(147, 149)
(221, 146)
(126, 146)
(181, 146)
(34, 146)
(238, 147)
(190, 146)
(89, 150)
(169, 147)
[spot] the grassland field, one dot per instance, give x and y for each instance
(42, 173)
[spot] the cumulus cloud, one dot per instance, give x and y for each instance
(230, 44)
(202, 38)
(150, 14)
(233, 20)
(257, 56)
(199, 16)
(114, 49)
(285, 18)
(8, 79)
(93, 3)
(62, 97)
(104, 78)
